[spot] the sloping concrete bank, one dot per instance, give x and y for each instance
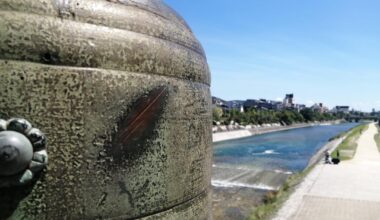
(236, 134)
(289, 198)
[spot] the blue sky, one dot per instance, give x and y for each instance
(321, 50)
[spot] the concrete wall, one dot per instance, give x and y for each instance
(122, 93)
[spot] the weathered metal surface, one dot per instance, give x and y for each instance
(121, 89)
(50, 40)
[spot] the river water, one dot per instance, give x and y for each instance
(285, 150)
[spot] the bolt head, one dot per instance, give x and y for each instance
(16, 153)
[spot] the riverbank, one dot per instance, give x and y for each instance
(287, 197)
(252, 200)
(241, 190)
(257, 130)
(345, 191)
(330, 147)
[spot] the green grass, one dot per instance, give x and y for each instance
(350, 142)
(340, 135)
(377, 137)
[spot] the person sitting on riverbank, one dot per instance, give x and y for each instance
(327, 157)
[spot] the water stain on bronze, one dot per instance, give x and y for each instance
(137, 128)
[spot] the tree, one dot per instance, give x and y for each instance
(308, 114)
(217, 113)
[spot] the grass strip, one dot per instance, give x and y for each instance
(347, 148)
(377, 137)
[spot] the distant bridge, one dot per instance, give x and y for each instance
(357, 118)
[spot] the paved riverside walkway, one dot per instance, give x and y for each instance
(348, 191)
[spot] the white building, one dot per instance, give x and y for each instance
(319, 108)
(341, 109)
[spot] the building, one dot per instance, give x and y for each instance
(261, 104)
(236, 104)
(277, 105)
(299, 107)
(288, 101)
(319, 108)
(228, 105)
(218, 102)
(341, 109)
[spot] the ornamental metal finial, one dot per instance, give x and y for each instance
(22, 152)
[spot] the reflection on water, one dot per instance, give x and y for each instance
(286, 150)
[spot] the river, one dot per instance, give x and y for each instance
(245, 170)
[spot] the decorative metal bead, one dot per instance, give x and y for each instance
(26, 177)
(19, 125)
(37, 138)
(3, 125)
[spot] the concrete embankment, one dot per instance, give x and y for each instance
(237, 190)
(236, 134)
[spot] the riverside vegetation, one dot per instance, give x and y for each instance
(377, 137)
(274, 199)
(348, 146)
(285, 117)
